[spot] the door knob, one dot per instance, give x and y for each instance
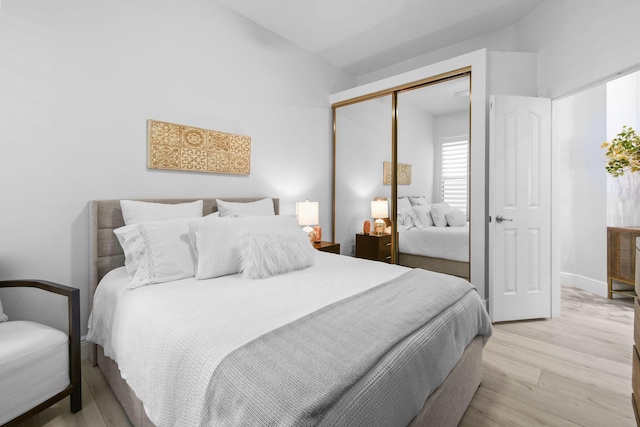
(500, 218)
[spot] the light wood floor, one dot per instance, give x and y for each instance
(571, 371)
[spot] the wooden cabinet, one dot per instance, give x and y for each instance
(635, 373)
(332, 247)
(621, 243)
(371, 246)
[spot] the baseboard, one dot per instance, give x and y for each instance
(585, 283)
(84, 348)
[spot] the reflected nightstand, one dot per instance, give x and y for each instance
(332, 247)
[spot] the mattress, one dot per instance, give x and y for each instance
(34, 366)
(168, 338)
(450, 243)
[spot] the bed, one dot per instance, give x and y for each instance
(406, 384)
(441, 249)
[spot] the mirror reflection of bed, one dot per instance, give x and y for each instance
(432, 210)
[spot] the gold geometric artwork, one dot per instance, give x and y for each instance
(187, 148)
(404, 173)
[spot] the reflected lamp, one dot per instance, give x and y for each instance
(379, 210)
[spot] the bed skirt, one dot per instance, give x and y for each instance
(445, 407)
(439, 265)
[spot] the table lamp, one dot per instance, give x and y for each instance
(379, 210)
(307, 213)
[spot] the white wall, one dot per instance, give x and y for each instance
(623, 192)
(78, 82)
(416, 147)
(582, 186)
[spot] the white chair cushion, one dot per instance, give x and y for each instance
(34, 366)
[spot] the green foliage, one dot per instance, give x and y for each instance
(623, 152)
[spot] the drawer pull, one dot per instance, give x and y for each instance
(388, 244)
(389, 257)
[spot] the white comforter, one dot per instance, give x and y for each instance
(437, 242)
(168, 360)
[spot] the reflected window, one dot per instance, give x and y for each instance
(454, 168)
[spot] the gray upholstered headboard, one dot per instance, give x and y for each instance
(106, 216)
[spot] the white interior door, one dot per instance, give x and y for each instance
(520, 192)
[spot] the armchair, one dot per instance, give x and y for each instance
(18, 333)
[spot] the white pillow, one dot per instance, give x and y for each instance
(262, 207)
(157, 252)
(456, 218)
(272, 252)
(407, 218)
(423, 214)
(418, 201)
(3, 317)
(134, 212)
(216, 241)
(438, 212)
(403, 203)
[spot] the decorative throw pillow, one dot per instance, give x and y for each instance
(403, 203)
(262, 207)
(407, 218)
(135, 212)
(418, 201)
(157, 252)
(3, 317)
(424, 215)
(438, 212)
(270, 253)
(456, 218)
(216, 241)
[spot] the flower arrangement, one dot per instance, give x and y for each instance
(623, 152)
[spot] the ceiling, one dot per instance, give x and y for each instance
(446, 97)
(361, 36)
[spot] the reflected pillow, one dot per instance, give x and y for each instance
(262, 207)
(423, 212)
(456, 218)
(407, 218)
(135, 212)
(418, 201)
(438, 212)
(273, 252)
(404, 203)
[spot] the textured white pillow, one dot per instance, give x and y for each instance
(407, 218)
(3, 317)
(418, 201)
(456, 218)
(216, 241)
(438, 212)
(404, 203)
(157, 252)
(270, 253)
(134, 212)
(262, 207)
(423, 214)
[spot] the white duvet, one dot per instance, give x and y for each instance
(168, 358)
(437, 242)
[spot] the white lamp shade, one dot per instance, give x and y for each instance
(379, 209)
(307, 213)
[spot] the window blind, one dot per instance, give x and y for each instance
(455, 178)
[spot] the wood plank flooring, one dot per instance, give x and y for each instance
(571, 371)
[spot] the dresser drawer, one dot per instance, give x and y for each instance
(635, 373)
(634, 403)
(636, 322)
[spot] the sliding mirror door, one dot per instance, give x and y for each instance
(433, 129)
(362, 145)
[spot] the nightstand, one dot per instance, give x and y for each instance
(375, 247)
(332, 247)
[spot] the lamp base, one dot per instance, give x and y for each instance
(378, 226)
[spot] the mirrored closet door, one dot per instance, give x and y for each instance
(408, 146)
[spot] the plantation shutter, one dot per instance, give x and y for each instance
(455, 161)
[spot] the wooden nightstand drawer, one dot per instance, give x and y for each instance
(370, 246)
(635, 372)
(331, 247)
